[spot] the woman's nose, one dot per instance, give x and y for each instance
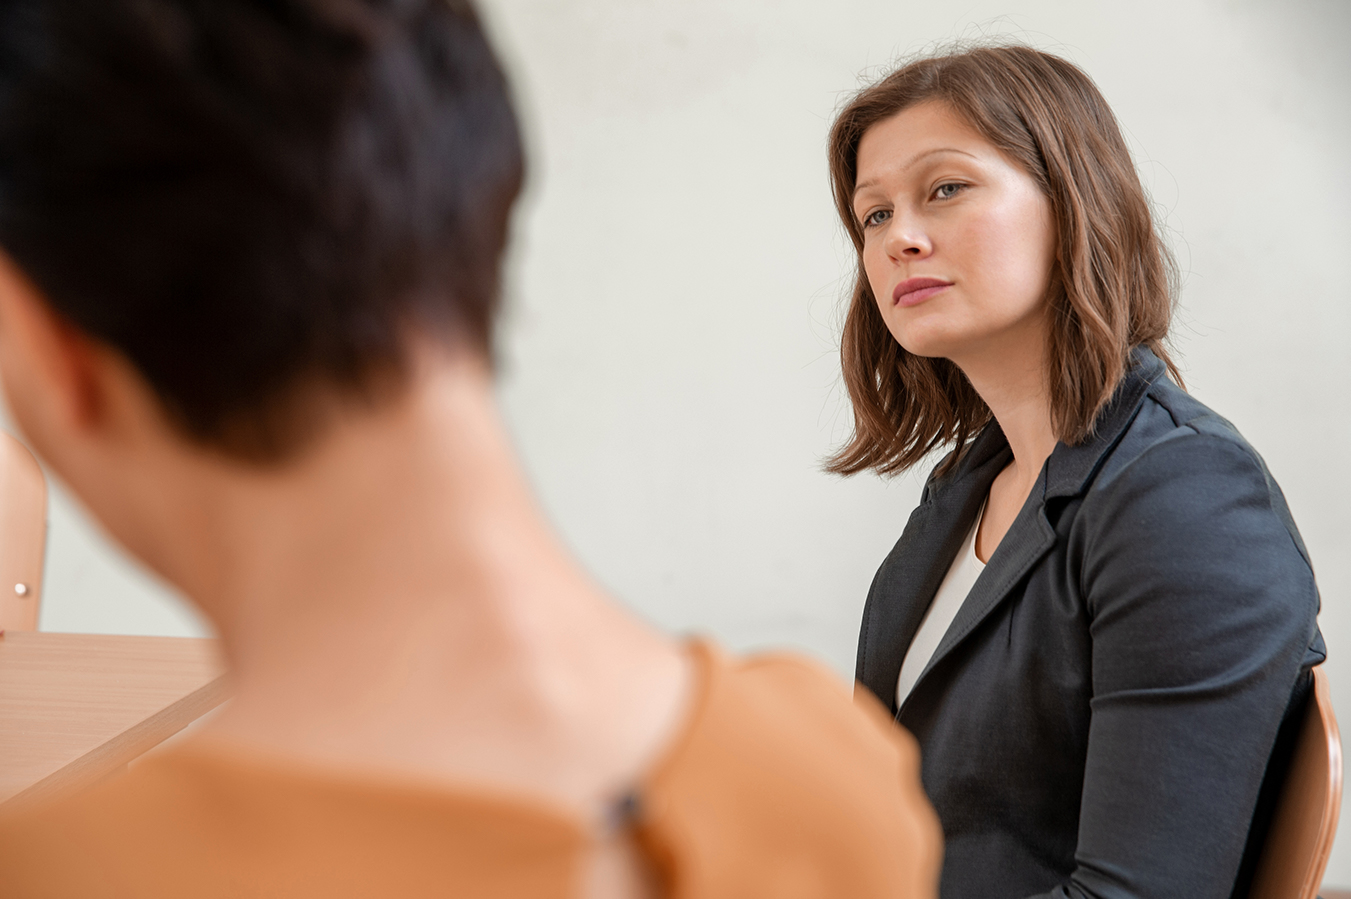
(905, 239)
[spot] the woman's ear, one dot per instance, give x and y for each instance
(50, 369)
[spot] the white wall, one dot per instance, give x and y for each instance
(669, 348)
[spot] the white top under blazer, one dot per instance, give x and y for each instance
(957, 584)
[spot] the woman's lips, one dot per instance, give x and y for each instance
(913, 291)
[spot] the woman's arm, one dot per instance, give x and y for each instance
(1202, 605)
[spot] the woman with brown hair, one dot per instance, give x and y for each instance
(1099, 621)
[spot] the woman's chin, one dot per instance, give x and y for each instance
(929, 337)
(927, 346)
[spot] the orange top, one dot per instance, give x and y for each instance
(777, 786)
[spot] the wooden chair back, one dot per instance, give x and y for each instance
(23, 535)
(1300, 839)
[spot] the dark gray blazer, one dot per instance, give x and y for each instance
(1099, 718)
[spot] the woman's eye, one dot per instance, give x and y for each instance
(876, 217)
(947, 191)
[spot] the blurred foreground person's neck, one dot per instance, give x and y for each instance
(393, 598)
(413, 512)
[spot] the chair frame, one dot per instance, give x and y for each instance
(1305, 823)
(23, 535)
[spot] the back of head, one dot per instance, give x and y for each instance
(250, 199)
(1113, 279)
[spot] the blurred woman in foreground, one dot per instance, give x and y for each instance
(250, 266)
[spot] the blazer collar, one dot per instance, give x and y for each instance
(1069, 468)
(948, 510)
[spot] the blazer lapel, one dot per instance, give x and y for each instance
(903, 590)
(1028, 539)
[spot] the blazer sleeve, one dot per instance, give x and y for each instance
(1202, 604)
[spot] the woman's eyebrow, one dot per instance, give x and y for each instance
(911, 163)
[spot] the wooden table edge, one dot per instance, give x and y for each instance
(114, 754)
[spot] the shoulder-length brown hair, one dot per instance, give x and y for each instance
(1114, 280)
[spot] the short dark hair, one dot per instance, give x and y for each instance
(251, 197)
(1114, 282)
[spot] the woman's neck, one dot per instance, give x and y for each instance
(1013, 384)
(1019, 400)
(395, 600)
(414, 509)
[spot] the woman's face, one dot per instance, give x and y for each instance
(959, 240)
